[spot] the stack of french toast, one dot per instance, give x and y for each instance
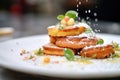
(77, 36)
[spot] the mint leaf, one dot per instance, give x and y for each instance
(72, 14)
(100, 41)
(69, 54)
(60, 17)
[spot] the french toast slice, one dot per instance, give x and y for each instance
(70, 31)
(51, 49)
(98, 52)
(75, 42)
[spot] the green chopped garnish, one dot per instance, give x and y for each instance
(115, 44)
(38, 52)
(72, 14)
(31, 56)
(94, 55)
(115, 55)
(88, 30)
(61, 27)
(60, 17)
(69, 54)
(82, 57)
(100, 41)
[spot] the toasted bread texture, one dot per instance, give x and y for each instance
(71, 31)
(75, 42)
(98, 52)
(51, 49)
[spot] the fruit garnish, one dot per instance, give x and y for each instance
(70, 22)
(69, 18)
(46, 60)
(66, 18)
(63, 22)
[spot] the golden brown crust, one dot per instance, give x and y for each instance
(72, 31)
(51, 49)
(98, 52)
(52, 39)
(75, 42)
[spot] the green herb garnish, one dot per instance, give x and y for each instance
(94, 55)
(115, 44)
(100, 41)
(31, 56)
(38, 52)
(88, 30)
(115, 55)
(71, 14)
(69, 54)
(61, 27)
(60, 17)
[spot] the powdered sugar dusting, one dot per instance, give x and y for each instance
(103, 45)
(82, 24)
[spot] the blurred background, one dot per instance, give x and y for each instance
(32, 17)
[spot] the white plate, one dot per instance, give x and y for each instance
(10, 58)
